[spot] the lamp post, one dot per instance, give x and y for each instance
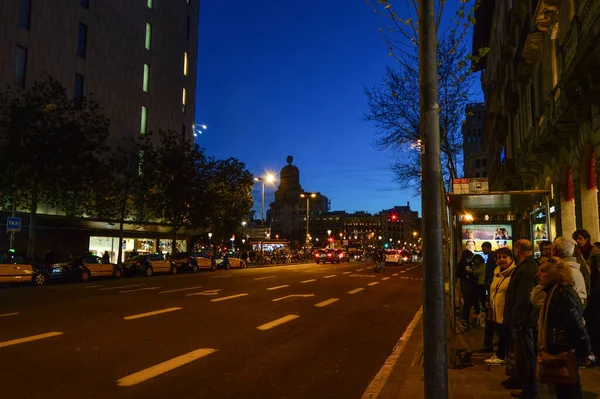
(329, 238)
(210, 244)
(308, 196)
(269, 178)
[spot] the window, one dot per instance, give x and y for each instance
(82, 41)
(25, 13)
(150, 4)
(20, 66)
(477, 163)
(185, 63)
(144, 120)
(85, 3)
(146, 77)
(484, 161)
(187, 27)
(183, 99)
(78, 87)
(148, 35)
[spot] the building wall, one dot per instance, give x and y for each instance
(475, 157)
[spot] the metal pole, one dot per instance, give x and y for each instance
(307, 214)
(263, 219)
(12, 233)
(434, 315)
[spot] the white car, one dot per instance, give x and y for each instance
(394, 256)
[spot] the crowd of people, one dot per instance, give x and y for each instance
(537, 307)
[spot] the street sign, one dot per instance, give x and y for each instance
(13, 224)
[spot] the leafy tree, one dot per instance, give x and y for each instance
(51, 147)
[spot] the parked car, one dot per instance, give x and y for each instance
(148, 265)
(226, 262)
(185, 262)
(84, 267)
(15, 269)
(326, 255)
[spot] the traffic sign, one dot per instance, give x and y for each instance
(13, 224)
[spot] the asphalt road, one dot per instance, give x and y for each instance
(299, 331)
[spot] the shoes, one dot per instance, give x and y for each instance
(494, 361)
(486, 349)
(516, 394)
(511, 383)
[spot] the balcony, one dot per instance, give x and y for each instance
(543, 13)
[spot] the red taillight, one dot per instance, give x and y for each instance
(329, 255)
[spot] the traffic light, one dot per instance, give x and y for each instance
(394, 217)
(330, 239)
(386, 245)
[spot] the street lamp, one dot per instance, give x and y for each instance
(243, 225)
(269, 178)
(209, 243)
(329, 238)
(308, 196)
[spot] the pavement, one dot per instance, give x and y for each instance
(472, 379)
(294, 331)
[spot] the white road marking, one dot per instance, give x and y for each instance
(346, 272)
(375, 387)
(278, 287)
(140, 289)
(330, 276)
(263, 278)
(292, 296)
(121, 286)
(228, 297)
(385, 278)
(29, 339)
(327, 302)
(403, 271)
(395, 274)
(180, 289)
(163, 367)
(373, 283)
(354, 291)
(80, 287)
(139, 316)
(207, 292)
(278, 322)
(359, 270)
(9, 314)
(308, 281)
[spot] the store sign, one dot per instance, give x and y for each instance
(473, 185)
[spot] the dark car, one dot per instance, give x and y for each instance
(148, 265)
(342, 255)
(186, 261)
(15, 269)
(326, 255)
(84, 267)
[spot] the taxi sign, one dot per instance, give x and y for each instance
(13, 224)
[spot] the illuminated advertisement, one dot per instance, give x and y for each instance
(473, 235)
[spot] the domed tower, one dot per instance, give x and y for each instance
(289, 180)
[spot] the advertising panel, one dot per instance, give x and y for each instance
(473, 235)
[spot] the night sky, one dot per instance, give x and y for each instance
(279, 78)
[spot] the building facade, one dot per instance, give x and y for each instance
(474, 154)
(137, 59)
(400, 226)
(541, 83)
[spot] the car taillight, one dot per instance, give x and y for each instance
(329, 255)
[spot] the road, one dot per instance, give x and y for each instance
(299, 331)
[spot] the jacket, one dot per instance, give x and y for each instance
(490, 267)
(585, 260)
(520, 313)
(461, 267)
(564, 327)
(479, 273)
(498, 291)
(578, 280)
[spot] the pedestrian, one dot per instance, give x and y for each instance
(464, 273)
(479, 300)
(562, 312)
(583, 252)
(545, 250)
(490, 266)
(521, 316)
(502, 276)
(105, 257)
(564, 248)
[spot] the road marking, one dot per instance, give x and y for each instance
(180, 289)
(222, 276)
(139, 316)
(382, 376)
(327, 302)
(262, 278)
(330, 276)
(228, 297)
(346, 272)
(29, 339)
(395, 274)
(278, 287)
(278, 322)
(9, 314)
(140, 289)
(79, 287)
(373, 283)
(163, 367)
(308, 281)
(121, 286)
(403, 271)
(385, 278)
(359, 270)
(292, 296)
(207, 292)
(354, 291)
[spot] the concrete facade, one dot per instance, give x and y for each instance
(474, 154)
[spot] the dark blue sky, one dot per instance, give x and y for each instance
(279, 78)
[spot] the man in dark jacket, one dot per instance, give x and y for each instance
(522, 316)
(490, 266)
(465, 275)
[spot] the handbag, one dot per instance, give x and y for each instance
(554, 369)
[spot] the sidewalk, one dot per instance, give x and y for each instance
(472, 380)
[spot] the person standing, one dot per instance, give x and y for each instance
(490, 266)
(479, 299)
(583, 252)
(564, 248)
(522, 317)
(464, 273)
(545, 250)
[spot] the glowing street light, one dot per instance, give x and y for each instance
(198, 128)
(269, 178)
(308, 196)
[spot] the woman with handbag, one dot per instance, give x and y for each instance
(561, 335)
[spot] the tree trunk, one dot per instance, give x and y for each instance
(32, 220)
(174, 239)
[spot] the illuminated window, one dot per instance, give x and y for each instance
(144, 120)
(185, 63)
(148, 35)
(150, 4)
(146, 77)
(183, 99)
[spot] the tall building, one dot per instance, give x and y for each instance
(542, 103)
(475, 155)
(400, 225)
(136, 58)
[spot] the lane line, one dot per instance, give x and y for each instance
(354, 291)
(29, 339)
(228, 297)
(327, 302)
(278, 287)
(139, 316)
(9, 314)
(330, 276)
(207, 292)
(181, 289)
(140, 289)
(373, 283)
(81, 287)
(223, 276)
(263, 278)
(346, 272)
(161, 368)
(385, 278)
(308, 281)
(121, 286)
(278, 322)
(375, 387)
(359, 270)
(293, 296)
(395, 274)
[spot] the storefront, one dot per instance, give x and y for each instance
(99, 245)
